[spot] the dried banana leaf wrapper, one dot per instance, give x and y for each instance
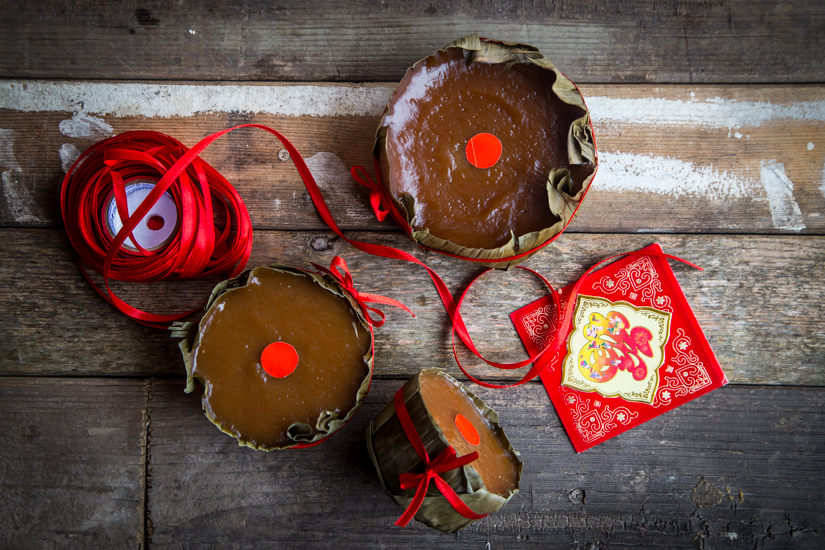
(562, 198)
(392, 455)
(300, 434)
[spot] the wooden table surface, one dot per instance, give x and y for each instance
(710, 119)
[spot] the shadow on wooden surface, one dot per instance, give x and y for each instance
(72, 463)
(685, 479)
(590, 40)
(756, 301)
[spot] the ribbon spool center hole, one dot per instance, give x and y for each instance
(467, 430)
(279, 359)
(155, 223)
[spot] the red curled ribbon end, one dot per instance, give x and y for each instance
(376, 191)
(339, 271)
(444, 462)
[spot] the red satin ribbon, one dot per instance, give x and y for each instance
(198, 248)
(444, 462)
(542, 358)
(379, 196)
(338, 270)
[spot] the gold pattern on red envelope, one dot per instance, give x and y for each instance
(634, 349)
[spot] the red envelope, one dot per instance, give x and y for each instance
(634, 349)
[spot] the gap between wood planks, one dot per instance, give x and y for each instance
(631, 487)
(145, 530)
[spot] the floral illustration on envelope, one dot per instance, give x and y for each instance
(616, 349)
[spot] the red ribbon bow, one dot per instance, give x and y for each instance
(377, 193)
(444, 462)
(339, 271)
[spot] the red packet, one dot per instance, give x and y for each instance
(634, 350)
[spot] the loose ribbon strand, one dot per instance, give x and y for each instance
(540, 361)
(339, 271)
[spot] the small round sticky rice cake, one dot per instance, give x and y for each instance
(539, 164)
(445, 413)
(314, 316)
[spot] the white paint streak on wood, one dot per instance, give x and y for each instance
(785, 211)
(68, 154)
(84, 126)
(712, 113)
(166, 100)
(623, 172)
(18, 200)
(328, 170)
(7, 158)
(822, 182)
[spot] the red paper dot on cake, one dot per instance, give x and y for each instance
(483, 150)
(279, 359)
(467, 430)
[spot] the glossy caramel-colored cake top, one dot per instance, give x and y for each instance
(276, 306)
(445, 400)
(438, 107)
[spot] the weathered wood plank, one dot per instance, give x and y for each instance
(71, 463)
(673, 159)
(591, 41)
(759, 451)
(756, 300)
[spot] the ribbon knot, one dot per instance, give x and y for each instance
(339, 271)
(376, 191)
(444, 462)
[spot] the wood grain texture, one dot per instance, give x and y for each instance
(673, 159)
(591, 41)
(760, 484)
(757, 301)
(71, 463)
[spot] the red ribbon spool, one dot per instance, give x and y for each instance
(198, 248)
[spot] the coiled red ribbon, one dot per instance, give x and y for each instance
(199, 247)
(444, 462)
